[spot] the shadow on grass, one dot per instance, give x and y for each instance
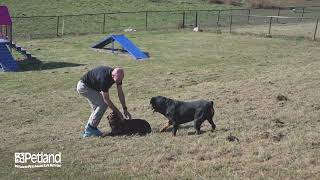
(35, 64)
(119, 51)
(56, 65)
(188, 126)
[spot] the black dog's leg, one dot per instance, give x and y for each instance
(174, 129)
(213, 126)
(197, 125)
(198, 120)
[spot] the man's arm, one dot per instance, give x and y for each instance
(108, 101)
(122, 100)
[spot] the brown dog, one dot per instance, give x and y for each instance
(127, 127)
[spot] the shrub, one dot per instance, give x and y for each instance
(216, 1)
(229, 2)
(267, 4)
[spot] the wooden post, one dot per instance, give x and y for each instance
(316, 29)
(218, 20)
(302, 14)
(112, 46)
(249, 13)
(104, 23)
(230, 23)
(146, 24)
(183, 19)
(270, 23)
(196, 19)
(6, 31)
(11, 34)
(62, 29)
(278, 15)
(58, 21)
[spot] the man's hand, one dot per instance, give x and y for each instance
(127, 114)
(107, 100)
(123, 102)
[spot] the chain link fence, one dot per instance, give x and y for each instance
(291, 21)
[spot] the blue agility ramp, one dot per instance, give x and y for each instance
(126, 44)
(7, 62)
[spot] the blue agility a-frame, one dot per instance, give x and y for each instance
(7, 62)
(126, 44)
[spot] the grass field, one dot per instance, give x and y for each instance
(303, 30)
(64, 7)
(243, 75)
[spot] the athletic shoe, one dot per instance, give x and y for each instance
(91, 131)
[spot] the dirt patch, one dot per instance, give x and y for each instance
(316, 107)
(278, 123)
(315, 145)
(281, 97)
(264, 135)
(278, 137)
(232, 138)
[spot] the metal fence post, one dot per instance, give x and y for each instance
(302, 14)
(183, 19)
(230, 23)
(270, 24)
(278, 15)
(146, 24)
(104, 23)
(196, 19)
(249, 13)
(218, 20)
(58, 21)
(316, 29)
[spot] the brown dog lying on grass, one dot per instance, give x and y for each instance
(127, 127)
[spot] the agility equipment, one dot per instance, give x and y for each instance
(126, 44)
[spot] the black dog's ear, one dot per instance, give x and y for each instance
(152, 100)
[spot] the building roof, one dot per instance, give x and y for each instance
(5, 18)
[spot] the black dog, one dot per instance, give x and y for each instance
(179, 112)
(127, 127)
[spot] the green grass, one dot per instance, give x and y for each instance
(243, 75)
(35, 27)
(64, 7)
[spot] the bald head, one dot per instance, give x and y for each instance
(117, 74)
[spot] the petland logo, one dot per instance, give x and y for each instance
(29, 160)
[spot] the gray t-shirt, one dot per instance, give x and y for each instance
(99, 78)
